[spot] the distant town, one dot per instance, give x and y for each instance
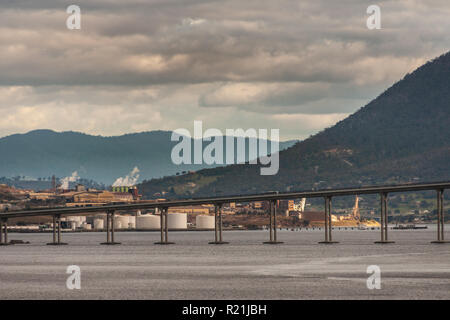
(292, 214)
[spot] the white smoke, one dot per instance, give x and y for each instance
(65, 182)
(129, 181)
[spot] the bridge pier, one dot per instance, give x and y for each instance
(440, 217)
(4, 232)
(328, 223)
(56, 232)
(164, 227)
(110, 229)
(384, 220)
(273, 223)
(218, 225)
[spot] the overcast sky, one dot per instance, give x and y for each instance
(141, 65)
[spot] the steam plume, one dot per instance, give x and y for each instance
(129, 180)
(65, 182)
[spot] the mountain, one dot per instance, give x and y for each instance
(43, 153)
(401, 136)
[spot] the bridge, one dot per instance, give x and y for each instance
(272, 198)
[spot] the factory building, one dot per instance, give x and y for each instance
(96, 197)
(192, 209)
(315, 216)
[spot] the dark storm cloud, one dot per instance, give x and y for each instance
(263, 57)
(151, 42)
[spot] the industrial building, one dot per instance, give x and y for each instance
(192, 210)
(315, 216)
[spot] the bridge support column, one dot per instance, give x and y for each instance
(215, 224)
(384, 220)
(4, 232)
(328, 222)
(273, 223)
(271, 220)
(161, 224)
(54, 229)
(218, 239)
(56, 232)
(440, 217)
(164, 227)
(110, 229)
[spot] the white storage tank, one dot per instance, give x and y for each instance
(204, 222)
(132, 222)
(121, 222)
(177, 220)
(75, 218)
(86, 226)
(148, 222)
(99, 223)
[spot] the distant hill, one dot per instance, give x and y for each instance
(403, 135)
(43, 153)
(46, 183)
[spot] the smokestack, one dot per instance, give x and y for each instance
(135, 193)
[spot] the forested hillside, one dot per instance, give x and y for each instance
(401, 136)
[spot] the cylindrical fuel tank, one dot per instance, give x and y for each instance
(177, 220)
(99, 223)
(148, 222)
(204, 222)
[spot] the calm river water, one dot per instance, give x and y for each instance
(412, 268)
